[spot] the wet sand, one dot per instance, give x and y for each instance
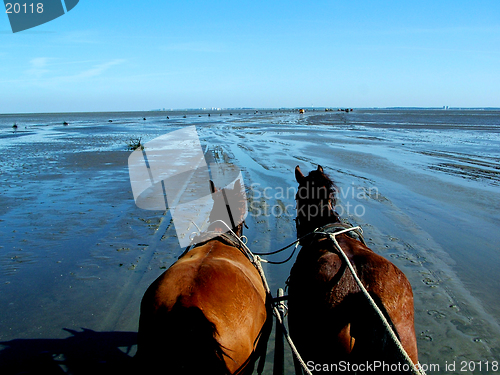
(76, 254)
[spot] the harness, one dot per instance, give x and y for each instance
(331, 230)
(231, 239)
(228, 238)
(345, 227)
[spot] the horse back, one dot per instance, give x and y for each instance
(325, 297)
(211, 299)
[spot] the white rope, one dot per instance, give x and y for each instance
(278, 316)
(416, 369)
(249, 253)
(256, 260)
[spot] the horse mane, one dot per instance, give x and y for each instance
(321, 179)
(316, 190)
(229, 203)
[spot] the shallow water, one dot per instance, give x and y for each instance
(76, 254)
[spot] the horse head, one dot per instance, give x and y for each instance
(316, 200)
(230, 206)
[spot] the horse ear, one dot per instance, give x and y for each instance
(237, 186)
(213, 189)
(299, 176)
(320, 168)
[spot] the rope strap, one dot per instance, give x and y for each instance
(276, 313)
(257, 262)
(414, 368)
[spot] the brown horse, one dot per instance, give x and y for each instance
(330, 320)
(209, 312)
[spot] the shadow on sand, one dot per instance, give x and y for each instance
(85, 352)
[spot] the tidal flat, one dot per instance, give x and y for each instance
(77, 254)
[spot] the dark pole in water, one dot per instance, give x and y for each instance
(279, 353)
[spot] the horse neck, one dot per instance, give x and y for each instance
(306, 225)
(217, 226)
(221, 228)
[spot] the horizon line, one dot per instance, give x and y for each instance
(215, 109)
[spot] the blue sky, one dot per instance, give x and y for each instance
(139, 55)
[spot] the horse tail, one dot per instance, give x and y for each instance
(180, 341)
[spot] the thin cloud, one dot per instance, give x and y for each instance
(97, 70)
(38, 67)
(49, 72)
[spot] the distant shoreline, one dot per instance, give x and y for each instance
(222, 110)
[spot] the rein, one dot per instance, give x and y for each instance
(331, 231)
(202, 238)
(257, 262)
(416, 369)
(330, 228)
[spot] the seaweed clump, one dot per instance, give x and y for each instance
(135, 143)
